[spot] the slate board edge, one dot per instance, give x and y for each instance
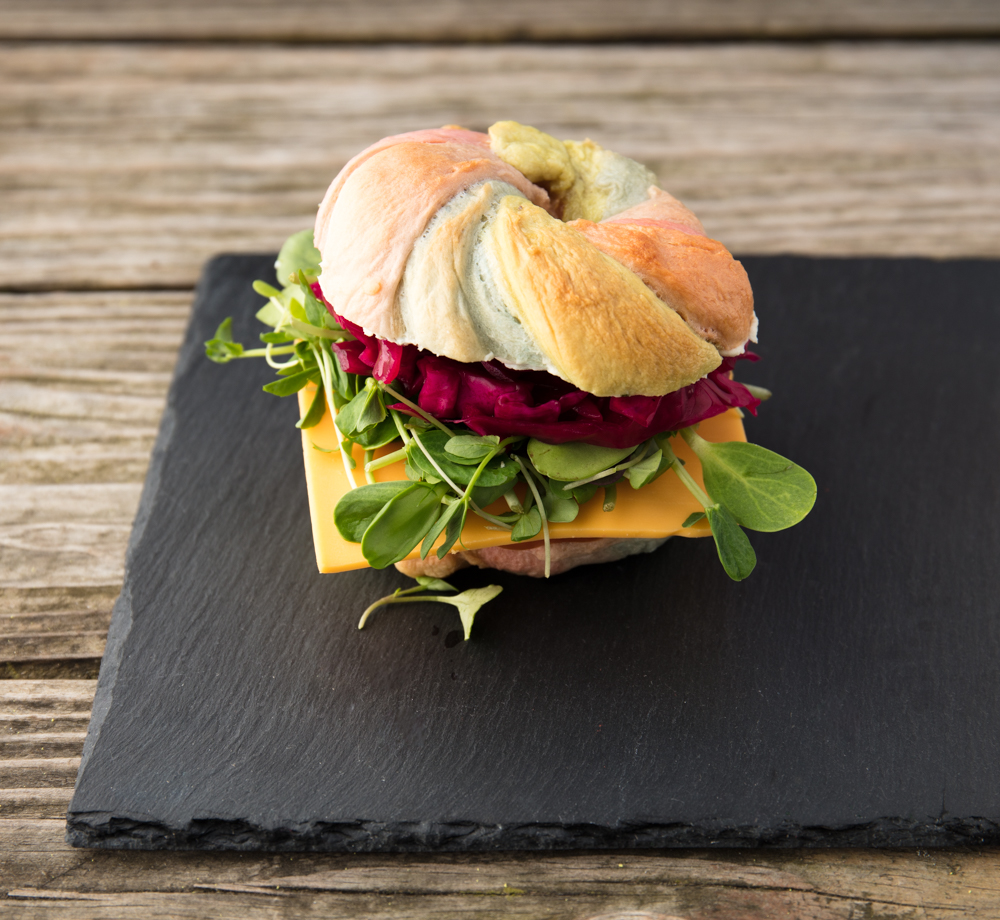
(106, 832)
(121, 616)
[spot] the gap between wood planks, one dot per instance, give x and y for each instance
(483, 20)
(135, 164)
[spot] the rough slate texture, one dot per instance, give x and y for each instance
(846, 694)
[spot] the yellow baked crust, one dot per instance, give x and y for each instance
(605, 331)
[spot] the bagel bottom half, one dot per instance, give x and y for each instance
(641, 520)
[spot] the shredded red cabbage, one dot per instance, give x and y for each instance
(493, 399)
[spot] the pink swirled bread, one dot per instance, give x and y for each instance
(542, 254)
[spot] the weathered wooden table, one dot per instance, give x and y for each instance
(137, 140)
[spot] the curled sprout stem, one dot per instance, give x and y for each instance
(462, 493)
(264, 352)
(541, 513)
(486, 516)
(608, 472)
(270, 350)
(437, 469)
(399, 600)
(424, 415)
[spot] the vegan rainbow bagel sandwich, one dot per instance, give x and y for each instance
(498, 330)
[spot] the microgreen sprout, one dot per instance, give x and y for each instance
(451, 470)
(468, 602)
(412, 405)
(541, 513)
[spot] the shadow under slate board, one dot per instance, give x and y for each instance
(847, 693)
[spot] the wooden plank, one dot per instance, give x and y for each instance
(48, 698)
(36, 863)
(52, 646)
(87, 415)
(41, 722)
(34, 803)
(64, 534)
(483, 20)
(89, 412)
(136, 163)
(38, 772)
(28, 617)
(63, 622)
(25, 745)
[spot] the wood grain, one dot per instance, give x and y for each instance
(734, 884)
(75, 436)
(125, 167)
(34, 623)
(128, 166)
(485, 20)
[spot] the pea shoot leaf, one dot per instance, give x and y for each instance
(429, 583)
(762, 490)
(645, 471)
(470, 450)
(363, 412)
(470, 602)
(401, 524)
(358, 508)
(735, 552)
(499, 470)
(298, 259)
(286, 386)
(221, 348)
(574, 460)
(528, 525)
(378, 435)
(454, 520)
(316, 410)
(559, 510)
(316, 313)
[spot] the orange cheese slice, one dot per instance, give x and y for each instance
(657, 510)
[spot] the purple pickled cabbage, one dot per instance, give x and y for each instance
(492, 399)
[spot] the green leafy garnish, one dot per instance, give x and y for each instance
(762, 490)
(574, 460)
(364, 411)
(451, 522)
(735, 551)
(652, 467)
(401, 524)
(359, 507)
(470, 450)
(453, 472)
(221, 348)
(431, 455)
(693, 519)
(468, 602)
(298, 259)
(317, 409)
(527, 527)
(285, 386)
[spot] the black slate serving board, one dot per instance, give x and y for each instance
(847, 693)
